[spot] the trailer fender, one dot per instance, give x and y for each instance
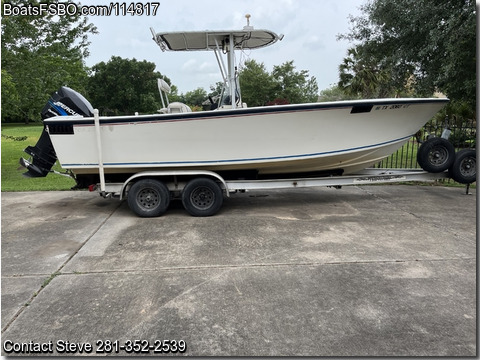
(159, 174)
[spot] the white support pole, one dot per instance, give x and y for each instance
(220, 62)
(99, 147)
(159, 83)
(231, 70)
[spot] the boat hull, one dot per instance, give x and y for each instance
(345, 136)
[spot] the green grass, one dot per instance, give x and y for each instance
(15, 138)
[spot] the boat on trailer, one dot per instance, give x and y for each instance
(232, 141)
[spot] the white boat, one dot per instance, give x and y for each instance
(237, 141)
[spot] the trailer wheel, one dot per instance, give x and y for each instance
(202, 197)
(464, 168)
(148, 198)
(436, 155)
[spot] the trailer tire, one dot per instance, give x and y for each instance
(148, 198)
(436, 155)
(202, 197)
(464, 168)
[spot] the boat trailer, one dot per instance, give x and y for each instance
(149, 193)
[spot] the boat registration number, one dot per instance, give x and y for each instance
(392, 107)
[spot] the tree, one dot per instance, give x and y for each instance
(124, 86)
(195, 98)
(427, 45)
(258, 86)
(294, 86)
(334, 93)
(9, 96)
(361, 75)
(283, 85)
(40, 53)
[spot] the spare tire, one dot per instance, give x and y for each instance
(464, 168)
(436, 155)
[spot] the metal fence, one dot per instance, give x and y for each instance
(462, 136)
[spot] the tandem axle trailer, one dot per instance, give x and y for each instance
(149, 193)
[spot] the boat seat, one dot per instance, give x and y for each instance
(175, 108)
(178, 107)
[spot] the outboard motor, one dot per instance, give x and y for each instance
(64, 102)
(67, 102)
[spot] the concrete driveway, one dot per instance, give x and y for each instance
(361, 271)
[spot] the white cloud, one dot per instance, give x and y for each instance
(189, 65)
(313, 42)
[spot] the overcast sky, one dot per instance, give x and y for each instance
(310, 28)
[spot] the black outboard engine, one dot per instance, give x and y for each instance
(64, 102)
(67, 102)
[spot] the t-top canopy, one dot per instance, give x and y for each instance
(208, 40)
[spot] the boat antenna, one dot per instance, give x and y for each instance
(248, 27)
